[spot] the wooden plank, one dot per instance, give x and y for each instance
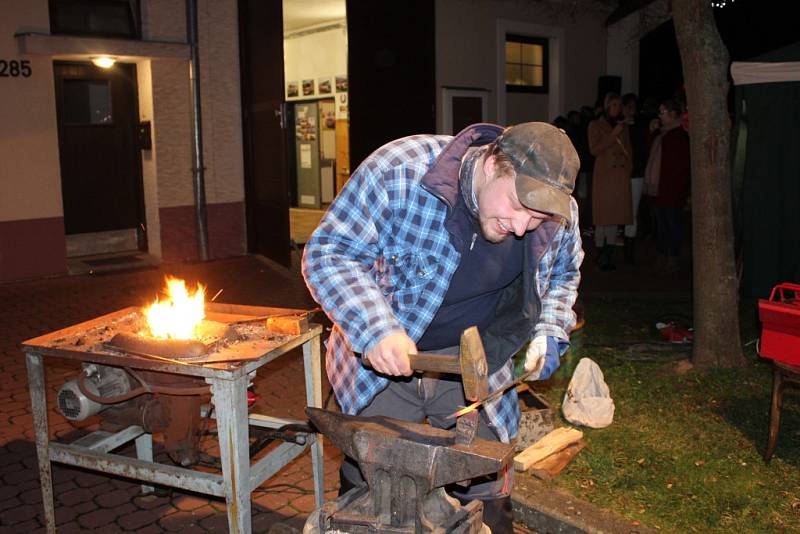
(242, 309)
(550, 444)
(228, 318)
(288, 325)
(551, 466)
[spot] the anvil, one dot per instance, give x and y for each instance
(406, 466)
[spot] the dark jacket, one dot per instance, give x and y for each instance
(676, 169)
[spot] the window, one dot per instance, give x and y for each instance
(526, 64)
(462, 107)
(87, 102)
(101, 18)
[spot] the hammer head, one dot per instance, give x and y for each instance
(474, 369)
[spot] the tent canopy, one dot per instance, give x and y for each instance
(766, 175)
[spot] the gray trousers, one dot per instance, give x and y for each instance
(418, 399)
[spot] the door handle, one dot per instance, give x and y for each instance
(280, 112)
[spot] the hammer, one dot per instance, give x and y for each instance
(471, 364)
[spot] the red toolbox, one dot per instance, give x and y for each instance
(780, 319)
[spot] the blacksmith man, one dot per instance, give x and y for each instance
(433, 234)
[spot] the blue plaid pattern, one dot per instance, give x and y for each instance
(381, 260)
(557, 281)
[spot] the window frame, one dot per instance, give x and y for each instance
(528, 39)
(134, 18)
(449, 93)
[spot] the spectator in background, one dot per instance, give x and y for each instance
(647, 211)
(638, 130)
(610, 144)
(599, 108)
(650, 108)
(587, 164)
(667, 181)
(577, 134)
(561, 123)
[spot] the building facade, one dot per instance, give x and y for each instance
(98, 160)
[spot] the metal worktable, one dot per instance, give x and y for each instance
(229, 382)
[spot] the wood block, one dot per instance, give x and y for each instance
(551, 466)
(550, 444)
(288, 325)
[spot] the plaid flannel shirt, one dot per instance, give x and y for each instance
(381, 260)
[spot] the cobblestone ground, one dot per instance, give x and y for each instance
(95, 502)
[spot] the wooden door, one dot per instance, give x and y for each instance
(101, 175)
(391, 72)
(264, 128)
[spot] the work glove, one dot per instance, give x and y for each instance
(543, 353)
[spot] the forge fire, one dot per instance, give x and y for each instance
(180, 314)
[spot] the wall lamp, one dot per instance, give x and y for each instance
(104, 62)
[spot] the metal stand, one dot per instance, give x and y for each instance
(229, 385)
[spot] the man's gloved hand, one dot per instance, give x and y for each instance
(543, 352)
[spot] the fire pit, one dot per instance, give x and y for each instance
(154, 384)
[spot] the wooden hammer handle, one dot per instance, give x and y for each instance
(435, 363)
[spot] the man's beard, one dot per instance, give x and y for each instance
(489, 233)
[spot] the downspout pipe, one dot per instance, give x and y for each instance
(198, 169)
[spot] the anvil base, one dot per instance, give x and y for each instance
(351, 513)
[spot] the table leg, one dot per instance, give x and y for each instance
(144, 451)
(313, 365)
(775, 413)
(230, 403)
(39, 408)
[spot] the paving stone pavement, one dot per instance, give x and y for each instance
(92, 502)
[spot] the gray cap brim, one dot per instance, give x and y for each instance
(538, 196)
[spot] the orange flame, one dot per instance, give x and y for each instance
(180, 314)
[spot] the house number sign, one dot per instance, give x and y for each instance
(14, 68)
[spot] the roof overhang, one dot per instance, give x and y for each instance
(73, 47)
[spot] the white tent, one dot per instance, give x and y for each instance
(748, 72)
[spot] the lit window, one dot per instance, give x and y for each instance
(526, 64)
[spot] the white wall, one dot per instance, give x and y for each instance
(30, 177)
(622, 52)
(313, 56)
(469, 35)
(144, 80)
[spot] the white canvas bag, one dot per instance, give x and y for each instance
(587, 401)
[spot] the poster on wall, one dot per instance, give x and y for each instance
(324, 86)
(341, 83)
(305, 124)
(292, 89)
(341, 107)
(308, 87)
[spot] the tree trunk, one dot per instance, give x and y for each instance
(716, 291)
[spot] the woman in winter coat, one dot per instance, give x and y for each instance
(609, 143)
(667, 180)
